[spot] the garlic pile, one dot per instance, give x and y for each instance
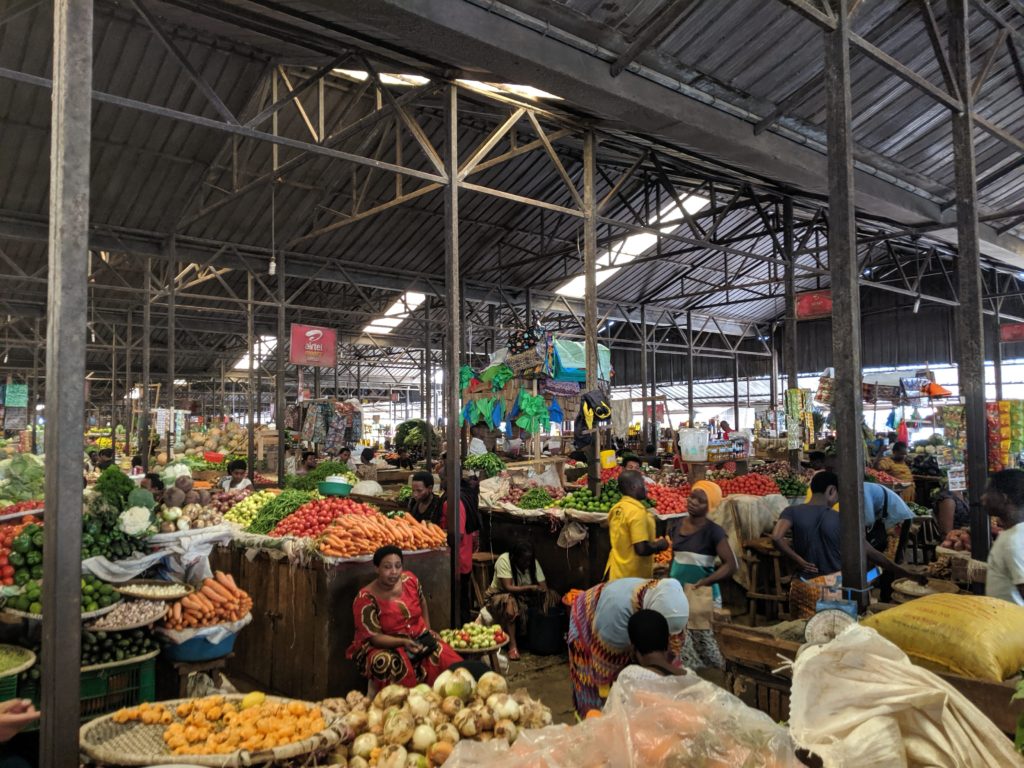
(419, 727)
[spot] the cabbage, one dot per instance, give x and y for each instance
(368, 488)
(173, 471)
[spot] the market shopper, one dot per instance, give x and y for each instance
(468, 521)
(951, 510)
(1004, 498)
(652, 655)
(236, 479)
(393, 640)
(816, 548)
(104, 459)
(651, 457)
(424, 504)
(518, 589)
(897, 466)
(632, 532)
(697, 543)
(366, 457)
(599, 646)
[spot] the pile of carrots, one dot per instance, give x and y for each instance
(354, 535)
(218, 601)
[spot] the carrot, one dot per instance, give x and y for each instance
(212, 587)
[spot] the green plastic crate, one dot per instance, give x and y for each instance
(8, 687)
(109, 689)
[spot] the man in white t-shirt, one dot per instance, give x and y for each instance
(1005, 499)
(477, 447)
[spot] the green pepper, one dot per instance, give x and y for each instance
(37, 571)
(33, 558)
(37, 540)
(21, 544)
(22, 577)
(16, 559)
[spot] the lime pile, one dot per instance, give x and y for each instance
(585, 501)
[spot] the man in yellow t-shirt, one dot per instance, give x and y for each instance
(631, 530)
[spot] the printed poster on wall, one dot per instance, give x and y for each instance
(313, 346)
(16, 396)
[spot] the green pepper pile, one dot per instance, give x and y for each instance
(278, 508)
(535, 498)
(26, 556)
(101, 535)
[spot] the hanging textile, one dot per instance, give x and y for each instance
(622, 417)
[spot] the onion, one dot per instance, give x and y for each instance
(374, 717)
(505, 729)
(391, 696)
(416, 760)
(484, 718)
(441, 682)
(392, 756)
(358, 762)
(465, 721)
(489, 684)
(440, 752)
(447, 732)
(398, 729)
(451, 706)
(356, 721)
(418, 705)
(364, 744)
(423, 737)
(504, 707)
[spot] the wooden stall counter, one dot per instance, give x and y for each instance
(302, 618)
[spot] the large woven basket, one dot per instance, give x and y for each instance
(135, 744)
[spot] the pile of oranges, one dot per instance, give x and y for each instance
(215, 726)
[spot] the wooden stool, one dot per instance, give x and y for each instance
(174, 680)
(483, 573)
(766, 580)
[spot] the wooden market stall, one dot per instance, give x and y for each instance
(302, 623)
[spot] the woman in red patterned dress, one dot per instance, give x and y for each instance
(391, 618)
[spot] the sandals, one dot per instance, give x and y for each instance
(513, 655)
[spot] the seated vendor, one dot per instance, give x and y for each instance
(236, 479)
(477, 446)
(897, 466)
(308, 463)
(634, 464)
(518, 588)
(815, 547)
(424, 504)
(393, 640)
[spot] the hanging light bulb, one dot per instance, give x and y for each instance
(5, 358)
(273, 266)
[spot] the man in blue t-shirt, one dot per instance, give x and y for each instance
(816, 532)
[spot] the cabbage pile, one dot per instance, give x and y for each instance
(21, 478)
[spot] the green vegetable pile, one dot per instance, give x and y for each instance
(791, 486)
(488, 463)
(26, 557)
(278, 508)
(101, 535)
(95, 595)
(310, 480)
(21, 478)
(114, 486)
(585, 501)
(917, 509)
(411, 434)
(404, 494)
(535, 498)
(103, 647)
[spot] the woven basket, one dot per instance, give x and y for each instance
(135, 744)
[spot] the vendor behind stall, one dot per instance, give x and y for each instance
(308, 463)
(631, 530)
(477, 446)
(816, 547)
(236, 479)
(424, 504)
(951, 510)
(518, 588)
(896, 465)
(393, 641)
(1004, 498)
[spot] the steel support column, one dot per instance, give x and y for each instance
(842, 257)
(590, 312)
(428, 390)
(654, 390)
(997, 351)
(172, 269)
(128, 386)
(250, 338)
(113, 393)
(644, 373)
(67, 300)
(453, 338)
(970, 328)
(33, 413)
(279, 402)
(736, 392)
(789, 330)
(144, 430)
(692, 418)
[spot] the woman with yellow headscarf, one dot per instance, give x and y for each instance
(697, 543)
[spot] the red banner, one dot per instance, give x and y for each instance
(814, 304)
(313, 346)
(1011, 332)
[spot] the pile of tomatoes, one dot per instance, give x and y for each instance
(8, 533)
(21, 506)
(313, 517)
(668, 501)
(750, 485)
(884, 478)
(610, 473)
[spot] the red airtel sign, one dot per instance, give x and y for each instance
(313, 346)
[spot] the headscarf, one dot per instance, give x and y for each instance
(667, 598)
(711, 490)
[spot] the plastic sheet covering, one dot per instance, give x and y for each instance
(747, 517)
(665, 723)
(859, 702)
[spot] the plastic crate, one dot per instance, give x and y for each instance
(109, 689)
(8, 687)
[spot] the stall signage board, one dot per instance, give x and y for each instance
(16, 396)
(957, 478)
(1011, 332)
(811, 305)
(313, 346)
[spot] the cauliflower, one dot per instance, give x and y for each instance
(135, 521)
